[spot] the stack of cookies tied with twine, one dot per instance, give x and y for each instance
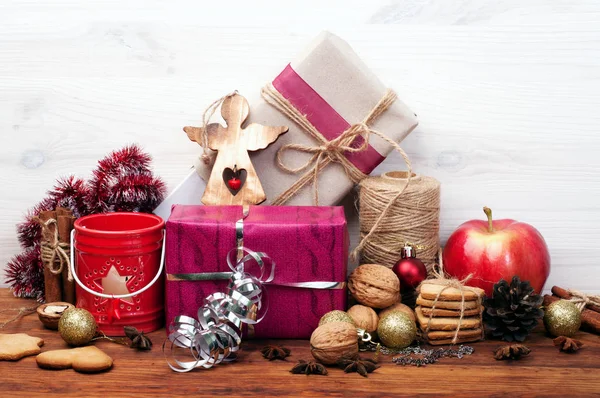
(448, 311)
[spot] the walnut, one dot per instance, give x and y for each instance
(364, 317)
(331, 341)
(374, 285)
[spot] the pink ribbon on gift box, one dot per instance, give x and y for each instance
(324, 117)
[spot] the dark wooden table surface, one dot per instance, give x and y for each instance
(546, 372)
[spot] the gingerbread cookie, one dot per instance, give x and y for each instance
(449, 341)
(446, 323)
(430, 291)
(16, 346)
(473, 334)
(88, 359)
(450, 305)
(441, 312)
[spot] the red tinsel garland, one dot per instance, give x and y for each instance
(122, 181)
(25, 274)
(68, 192)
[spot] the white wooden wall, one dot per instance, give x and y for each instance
(507, 92)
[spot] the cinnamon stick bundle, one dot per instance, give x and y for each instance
(56, 231)
(65, 220)
(590, 320)
(565, 294)
(52, 281)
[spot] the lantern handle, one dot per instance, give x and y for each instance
(118, 296)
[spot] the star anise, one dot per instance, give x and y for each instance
(567, 344)
(511, 351)
(272, 352)
(355, 363)
(309, 368)
(138, 339)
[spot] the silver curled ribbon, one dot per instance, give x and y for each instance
(216, 335)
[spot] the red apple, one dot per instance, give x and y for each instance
(495, 250)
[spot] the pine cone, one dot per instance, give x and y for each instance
(513, 311)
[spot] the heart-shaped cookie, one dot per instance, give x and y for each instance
(88, 359)
(16, 346)
(234, 179)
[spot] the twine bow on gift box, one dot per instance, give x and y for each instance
(440, 279)
(52, 248)
(328, 151)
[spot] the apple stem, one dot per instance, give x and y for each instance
(488, 213)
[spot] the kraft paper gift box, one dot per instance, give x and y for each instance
(335, 89)
(307, 244)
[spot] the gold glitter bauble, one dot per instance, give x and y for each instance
(562, 318)
(336, 316)
(396, 330)
(77, 326)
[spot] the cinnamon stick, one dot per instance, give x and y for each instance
(52, 282)
(590, 320)
(564, 294)
(65, 222)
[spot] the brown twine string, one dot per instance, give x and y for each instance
(327, 151)
(201, 136)
(52, 248)
(22, 312)
(100, 335)
(441, 279)
(414, 218)
(582, 300)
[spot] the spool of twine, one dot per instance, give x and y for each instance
(414, 217)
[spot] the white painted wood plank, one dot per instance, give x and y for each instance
(507, 95)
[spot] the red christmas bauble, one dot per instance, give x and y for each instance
(410, 270)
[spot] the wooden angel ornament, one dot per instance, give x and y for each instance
(233, 180)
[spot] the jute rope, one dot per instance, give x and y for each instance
(52, 249)
(414, 218)
(326, 151)
(22, 311)
(440, 279)
(201, 137)
(581, 300)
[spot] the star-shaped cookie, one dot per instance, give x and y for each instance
(16, 346)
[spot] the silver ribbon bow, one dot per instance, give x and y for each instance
(216, 335)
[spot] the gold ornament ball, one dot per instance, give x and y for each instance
(396, 330)
(336, 316)
(562, 318)
(77, 326)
